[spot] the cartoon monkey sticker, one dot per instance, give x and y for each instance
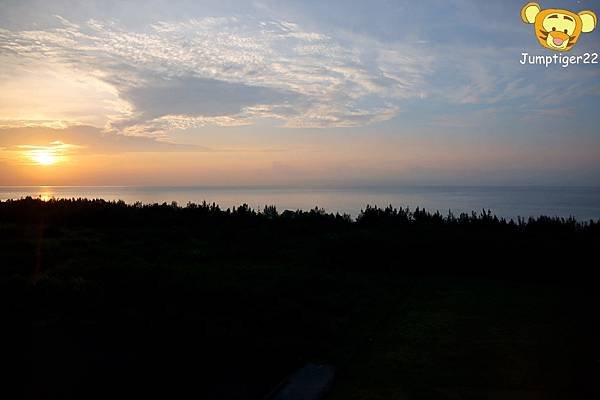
(558, 29)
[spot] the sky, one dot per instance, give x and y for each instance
(291, 93)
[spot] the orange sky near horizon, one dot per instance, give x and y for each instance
(311, 160)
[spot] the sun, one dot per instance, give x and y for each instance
(43, 157)
(54, 153)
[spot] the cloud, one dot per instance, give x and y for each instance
(197, 96)
(230, 71)
(183, 102)
(84, 140)
(38, 123)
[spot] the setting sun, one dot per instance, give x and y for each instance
(43, 157)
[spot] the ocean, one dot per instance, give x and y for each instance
(582, 203)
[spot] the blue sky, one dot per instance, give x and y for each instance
(307, 92)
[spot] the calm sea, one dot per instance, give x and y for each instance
(581, 202)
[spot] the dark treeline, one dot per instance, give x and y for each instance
(108, 299)
(377, 238)
(97, 211)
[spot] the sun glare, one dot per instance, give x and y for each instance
(43, 157)
(54, 153)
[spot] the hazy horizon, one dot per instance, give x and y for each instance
(582, 203)
(291, 93)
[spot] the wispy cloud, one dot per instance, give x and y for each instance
(82, 140)
(39, 123)
(228, 71)
(234, 71)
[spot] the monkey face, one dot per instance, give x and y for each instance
(557, 29)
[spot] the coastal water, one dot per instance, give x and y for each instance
(582, 203)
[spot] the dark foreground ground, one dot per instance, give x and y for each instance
(104, 300)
